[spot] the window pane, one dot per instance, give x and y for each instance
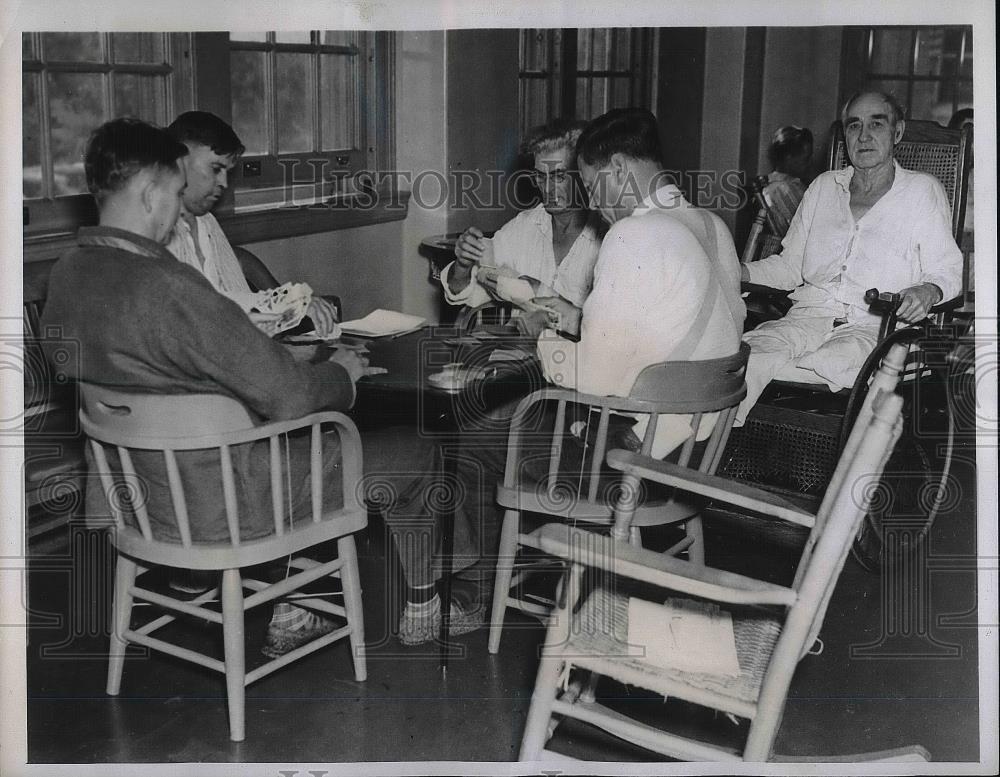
(72, 46)
(255, 37)
(623, 48)
(338, 101)
(339, 37)
(967, 58)
(246, 75)
(144, 97)
(293, 90)
(28, 46)
(30, 139)
(137, 47)
(897, 89)
(76, 108)
(534, 102)
(619, 92)
(590, 97)
(292, 37)
(930, 103)
(534, 50)
(584, 47)
(599, 56)
(891, 53)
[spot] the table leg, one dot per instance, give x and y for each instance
(449, 469)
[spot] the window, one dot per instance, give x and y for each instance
(75, 81)
(584, 72)
(297, 102)
(929, 69)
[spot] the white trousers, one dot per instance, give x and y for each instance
(806, 348)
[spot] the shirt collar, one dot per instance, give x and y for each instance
(122, 240)
(844, 176)
(666, 196)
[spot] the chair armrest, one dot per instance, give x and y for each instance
(620, 558)
(711, 486)
(948, 305)
(767, 291)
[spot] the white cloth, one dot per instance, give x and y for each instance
(831, 260)
(524, 245)
(221, 267)
(653, 276)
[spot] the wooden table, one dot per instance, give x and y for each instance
(405, 396)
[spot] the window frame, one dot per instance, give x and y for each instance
(859, 73)
(49, 225)
(561, 69)
(50, 213)
(336, 165)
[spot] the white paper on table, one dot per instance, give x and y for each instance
(685, 635)
(381, 322)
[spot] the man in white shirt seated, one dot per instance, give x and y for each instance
(873, 224)
(197, 239)
(666, 283)
(547, 250)
(666, 287)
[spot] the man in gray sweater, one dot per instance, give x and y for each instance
(145, 322)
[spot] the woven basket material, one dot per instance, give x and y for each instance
(601, 631)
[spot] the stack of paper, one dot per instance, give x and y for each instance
(684, 635)
(380, 323)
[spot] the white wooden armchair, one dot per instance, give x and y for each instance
(773, 625)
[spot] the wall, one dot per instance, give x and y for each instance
(721, 112)
(801, 85)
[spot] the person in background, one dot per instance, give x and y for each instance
(198, 240)
(547, 250)
(790, 155)
(873, 224)
(146, 323)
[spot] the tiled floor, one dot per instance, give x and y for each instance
(908, 681)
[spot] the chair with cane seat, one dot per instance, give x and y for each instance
(773, 626)
(139, 443)
(695, 389)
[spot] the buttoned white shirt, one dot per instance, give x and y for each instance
(830, 259)
(524, 245)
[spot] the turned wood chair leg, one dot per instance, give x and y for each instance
(234, 642)
(505, 569)
(351, 582)
(125, 572)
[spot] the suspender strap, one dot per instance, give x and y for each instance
(686, 345)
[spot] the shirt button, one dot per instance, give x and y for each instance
(843, 267)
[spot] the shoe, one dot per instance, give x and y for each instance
(281, 640)
(421, 623)
(193, 581)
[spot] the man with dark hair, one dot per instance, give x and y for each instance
(873, 224)
(145, 322)
(666, 283)
(198, 240)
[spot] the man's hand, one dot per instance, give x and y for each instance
(917, 302)
(532, 324)
(323, 315)
(355, 363)
(472, 248)
(569, 314)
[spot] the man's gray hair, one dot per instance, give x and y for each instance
(898, 114)
(557, 134)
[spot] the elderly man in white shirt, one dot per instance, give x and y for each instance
(547, 250)
(873, 224)
(197, 239)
